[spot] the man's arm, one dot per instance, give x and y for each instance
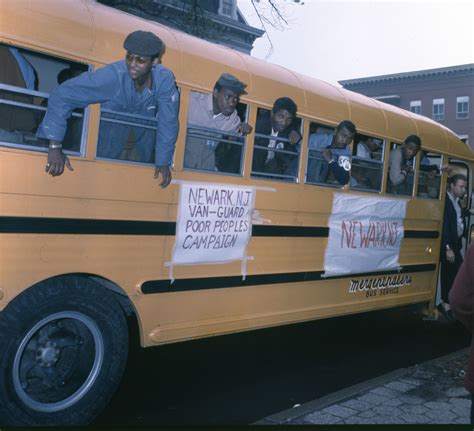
(341, 169)
(447, 233)
(79, 92)
(167, 121)
(340, 165)
(396, 174)
(284, 159)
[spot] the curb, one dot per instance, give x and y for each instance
(323, 402)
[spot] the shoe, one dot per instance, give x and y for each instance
(447, 313)
(451, 315)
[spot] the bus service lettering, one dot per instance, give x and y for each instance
(380, 286)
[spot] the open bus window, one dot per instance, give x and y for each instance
(429, 176)
(274, 156)
(401, 176)
(26, 80)
(318, 169)
(367, 163)
(124, 136)
(213, 142)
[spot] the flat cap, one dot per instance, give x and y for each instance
(143, 43)
(227, 80)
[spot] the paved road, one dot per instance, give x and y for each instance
(242, 378)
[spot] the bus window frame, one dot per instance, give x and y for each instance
(320, 184)
(379, 163)
(414, 164)
(111, 120)
(82, 152)
(244, 138)
(281, 178)
(419, 171)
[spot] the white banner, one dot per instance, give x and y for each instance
(214, 223)
(364, 234)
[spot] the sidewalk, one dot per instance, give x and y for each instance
(427, 393)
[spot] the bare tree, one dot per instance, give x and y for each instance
(271, 13)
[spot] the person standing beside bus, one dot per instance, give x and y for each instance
(336, 153)
(137, 85)
(400, 167)
(215, 111)
(451, 238)
(461, 298)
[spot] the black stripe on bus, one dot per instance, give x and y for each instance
(44, 225)
(428, 234)
(189, 284)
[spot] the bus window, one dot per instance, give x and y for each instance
(367, 164)
(218, 148)
(124, 136)
(274, 157)
(318, 170)
(400, 179)
(26, 79)
(429, 176)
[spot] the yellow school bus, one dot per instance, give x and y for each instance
(87, 254)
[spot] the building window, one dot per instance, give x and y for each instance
(438, 109)
(228, 8)
(462, 107)
(415, 106)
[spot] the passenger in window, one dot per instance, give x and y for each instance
(278, 123)
(361, 177)
(336, 154)
(400, 165)
(136, 85)
(15, 70)
(367, 148)
(216, 111)
(425, 166)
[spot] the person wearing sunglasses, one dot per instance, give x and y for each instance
(137, 85)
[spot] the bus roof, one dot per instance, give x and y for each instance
(90, 31)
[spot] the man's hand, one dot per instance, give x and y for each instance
(165, 173)
(244, 128)
(326, 154)
(294, 137)
(56, 161)
(446, 168)
(450, 256)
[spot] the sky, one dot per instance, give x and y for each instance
(336, 40)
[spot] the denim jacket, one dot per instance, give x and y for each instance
(112, 87)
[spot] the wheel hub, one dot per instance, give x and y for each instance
(48, 354)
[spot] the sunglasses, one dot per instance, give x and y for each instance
(139, 60)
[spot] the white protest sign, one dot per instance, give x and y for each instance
(364, 234)
(214, 223)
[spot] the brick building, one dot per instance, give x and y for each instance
(445, 95)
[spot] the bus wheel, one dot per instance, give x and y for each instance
(64, 348)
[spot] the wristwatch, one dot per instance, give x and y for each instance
(55, 145)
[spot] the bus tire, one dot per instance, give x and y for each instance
(63, 349)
